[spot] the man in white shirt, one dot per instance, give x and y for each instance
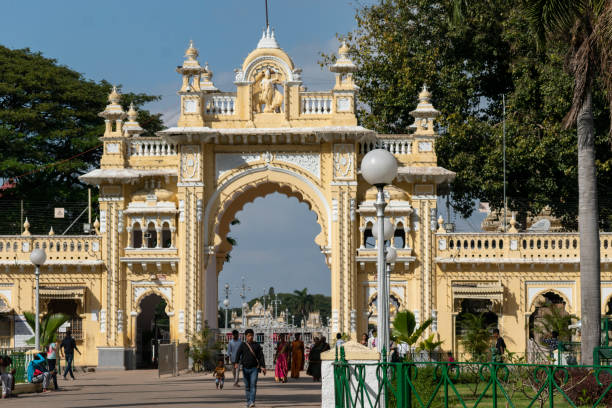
(232, 350)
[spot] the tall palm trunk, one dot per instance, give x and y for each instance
(588, 216)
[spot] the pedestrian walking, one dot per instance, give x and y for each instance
(219, 374)
(297, 356)
(281, 360)
(499, 347)
(52, 362)
(250, 355)
(232, 350)
(314, 360)
(67, 348)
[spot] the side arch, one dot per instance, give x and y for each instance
(533, 301)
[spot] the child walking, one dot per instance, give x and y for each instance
(219, 374)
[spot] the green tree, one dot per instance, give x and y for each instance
(48, 115)
(554, 318)
(430, 345)
(476, 335)
(400, 44)
(48, 327)
(405, 328)
(305, 301)
(587, 26)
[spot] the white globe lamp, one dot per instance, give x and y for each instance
(387, 229)
(379, 167)
(391, 256)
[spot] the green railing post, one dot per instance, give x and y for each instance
(445, 377)
(383, 390)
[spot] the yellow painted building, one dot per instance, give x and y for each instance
(166, 204)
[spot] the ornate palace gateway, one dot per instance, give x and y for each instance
(166, 203)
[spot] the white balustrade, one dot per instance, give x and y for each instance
(220, 104)
(152, 147)
(395, 146)
(318, 104)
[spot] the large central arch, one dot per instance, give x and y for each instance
(242, 187)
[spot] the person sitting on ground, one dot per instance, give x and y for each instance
(219, 374)
(38, 372)
(7, 376)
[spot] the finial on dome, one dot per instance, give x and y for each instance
(268, 39)
(513, 223)
(114, 97)
(132, 114)
(424, 95)
(343, 63)
(192, 52)
(51, 232)
(96, 226)
(26, 228)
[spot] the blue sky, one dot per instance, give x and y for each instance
(138, 44)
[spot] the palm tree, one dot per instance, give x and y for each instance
(305, 301)
(587, 26)
(49, 325)
(429, 345)
(405, 329)
(476, 335)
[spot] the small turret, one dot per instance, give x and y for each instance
(424, 114)
(113, 114)
(132, 127)
(191, 92)
(206, 83)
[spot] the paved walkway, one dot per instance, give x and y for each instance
(142, 388)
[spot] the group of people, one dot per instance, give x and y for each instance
(42, 368)
(289, 359)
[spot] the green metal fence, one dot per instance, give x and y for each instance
(463, 384)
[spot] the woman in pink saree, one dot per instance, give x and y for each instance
(281, 360)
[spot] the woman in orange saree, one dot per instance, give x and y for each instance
(297, 356)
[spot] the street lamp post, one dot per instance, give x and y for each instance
(226, 301)
(37, 257)
(379, 168)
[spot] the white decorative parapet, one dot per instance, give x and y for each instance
(220, 104)
(394, 145)
(81, 250)
(530, 247)
(316, 103)
(151, 146)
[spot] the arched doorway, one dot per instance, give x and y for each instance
(274, 249)
(475, 317)
(550, 313)
(152, 329)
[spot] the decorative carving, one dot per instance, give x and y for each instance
(425, 146)
(112, 148)
(343, 105)
(228, 161)
(102, 320)
(343, 162)
(102, 221)
(181, 321)
(266, 97)
(311, 162)
(334, 210)
(190, 106)
(190, 163)
(119, 321)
